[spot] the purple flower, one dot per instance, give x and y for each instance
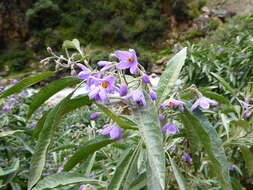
(101, 88)
(85, 73)
(6, 108)
(187, 157)
(114, 131)
(14, 81)
(233, 167)
(22, 94)
(95, 115)
(82, 187)
(137, 96)
(12, 100)
(173, 148)
(172, 128)
(153, 95)
(123, 89)
(34, 123)
(246, 107)
(128, 59)
(204, 103)
(59, 169)
(46, 174)
(2, 88)
(145, 79)
(107, 65)
(173, 103)
(161, 117)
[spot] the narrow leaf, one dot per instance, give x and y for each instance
(248, 158)
(224, 83)
(84, 151)
(139, 183)
(178, 175)
(29, 81)
(63, 179)
(39, 157)
(6, 133)
(121, 170)
(170, 75)
(49, 90)
(212, 145)
(149, 126)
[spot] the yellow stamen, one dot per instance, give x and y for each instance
(131, 59)
(104, 84)
(170, 104)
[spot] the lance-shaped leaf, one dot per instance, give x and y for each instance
(224, 83)
(45, 137)
(248, 158)
(71, 105)
(29, 81)
(121, 170)
(49, 90)
(170, 75)
(149, 126)
(178, 175)
(212, 145)
(87, 149)
(140, 182)
(6, 133)
(63, 179)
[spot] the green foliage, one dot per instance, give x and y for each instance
(44, 14)
(227, 53)
(170, 75)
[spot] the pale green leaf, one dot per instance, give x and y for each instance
(150, 130)
(170, 75)
(29, 81)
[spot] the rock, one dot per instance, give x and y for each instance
(162, 60)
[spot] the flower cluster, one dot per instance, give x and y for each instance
(111, 78)
(111, 81)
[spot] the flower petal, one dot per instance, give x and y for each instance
(195, 105)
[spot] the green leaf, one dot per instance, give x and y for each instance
(224, 83)
(49, 90)
(71, 105)
(45, 137)
(132, 172)
(149, 126)
(212, 145)
(74, 44)
(140, 182)
(121, 170)
(76, 103)
(170, 75)
(6, 133)
(64, 179)
(84, 151)
(29, 81)
(121, 121)
(13, 168)
(248, 158)
(178, 175)
(40, 124)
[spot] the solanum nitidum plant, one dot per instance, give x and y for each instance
(154, 135)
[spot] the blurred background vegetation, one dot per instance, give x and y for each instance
(155, 28)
